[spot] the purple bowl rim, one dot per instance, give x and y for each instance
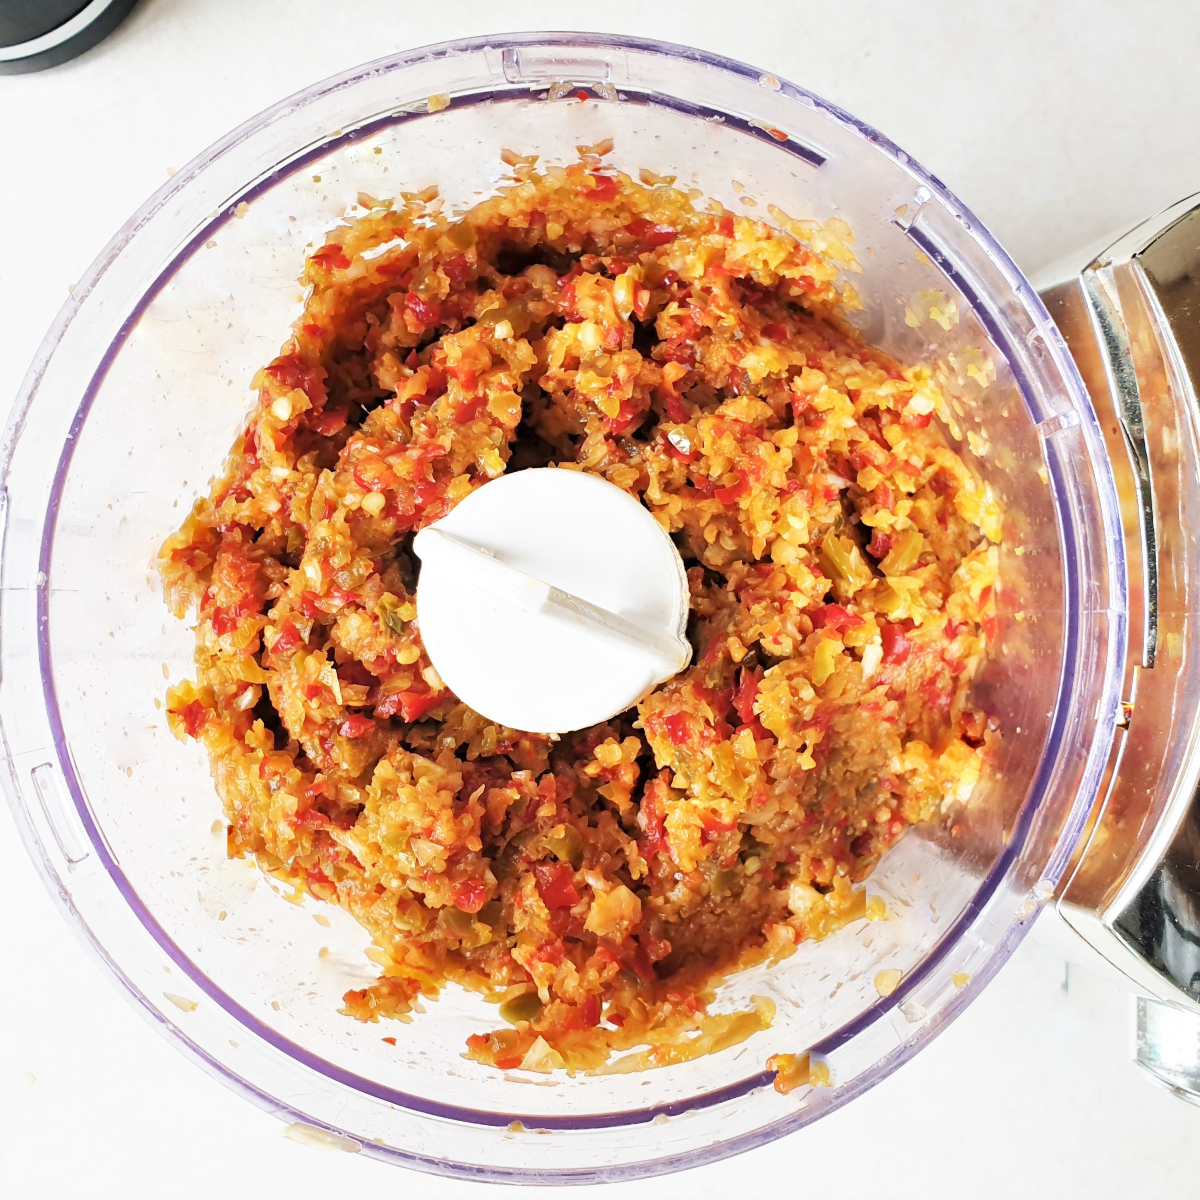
(1069, 378)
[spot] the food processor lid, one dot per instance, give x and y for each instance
(1130, 318)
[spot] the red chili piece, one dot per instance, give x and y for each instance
(468, 410)
(329, 422)
(604, 187)
(289, 638)
(675, 410)
(737, 489)
(309, 606)
(422, 310)
(556, 884)
(639, 962)
(224, 620)
(459, 270)
(651, 235)
(589, 1012)
(470, 895)
(356, 726)
(880, 544)
(329, 257)
(194, 718)
(629, 415)
(711, 828)
(467, 377)
(896, 646)
(411, 706)
(435, 385)
(745, 696)
(652, 819)
(835, 617)
(676, 725)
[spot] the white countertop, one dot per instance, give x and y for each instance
(1056, 121)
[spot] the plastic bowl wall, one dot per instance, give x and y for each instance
(136, 396)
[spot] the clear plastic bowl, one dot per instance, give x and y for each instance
(139, 390)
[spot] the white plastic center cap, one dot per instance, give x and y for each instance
(550, 600)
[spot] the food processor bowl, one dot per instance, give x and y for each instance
(130, 407)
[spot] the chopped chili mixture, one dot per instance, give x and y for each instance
(842, 566)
